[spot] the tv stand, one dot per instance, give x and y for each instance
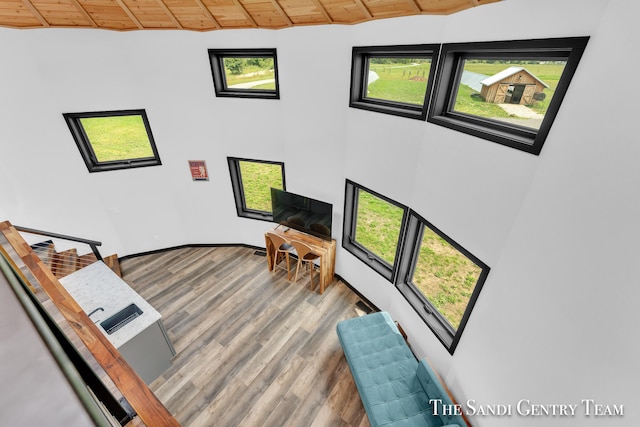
(325, 249)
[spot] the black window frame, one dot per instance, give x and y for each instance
(349, 242)
(439, 325)
(519, 137)
(216, 59)
(86, 149)
(238, 188)
(359, 71)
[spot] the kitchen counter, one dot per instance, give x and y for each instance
(98, 286)
(143, 341)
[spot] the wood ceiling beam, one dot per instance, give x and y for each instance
(323, 10)
(36, 12)
(84, 13)
(130, 14)
(207, 12)
(364, 9)
(207, 21)
(173, 18)
(282, 12)
(415, 6)
(246, 13)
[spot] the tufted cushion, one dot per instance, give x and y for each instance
(434, 390)
(384, 370)
(394, 387)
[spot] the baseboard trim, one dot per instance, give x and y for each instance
(243, 245)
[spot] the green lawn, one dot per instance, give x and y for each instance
(400, 82)
(378, 225)
(443, 274)
(265, 86)
(233, 80)
(117, 137)
(257, 180)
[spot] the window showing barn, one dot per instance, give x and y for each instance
(507, 90)
(514, 85)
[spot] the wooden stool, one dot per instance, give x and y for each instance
(304, 255)
(280, 247)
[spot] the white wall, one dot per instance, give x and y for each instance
(553, 322)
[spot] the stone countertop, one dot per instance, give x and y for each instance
(97, 286)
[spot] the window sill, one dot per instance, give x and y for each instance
(529, 142)
(395, 110)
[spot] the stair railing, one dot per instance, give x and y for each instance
(63, 262)
(138, 395)
(93, 244)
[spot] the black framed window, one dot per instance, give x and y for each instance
(252, 181)
(373, 228)
(245, 73)
(507, 92)
(440, 279)
(110, 140)
(393, 79)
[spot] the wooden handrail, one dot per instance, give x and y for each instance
(148, 407)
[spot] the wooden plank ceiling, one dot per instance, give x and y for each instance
(208, 15)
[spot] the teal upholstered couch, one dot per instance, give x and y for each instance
(395, 388)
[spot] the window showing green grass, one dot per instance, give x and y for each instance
(439, 278)
(252, 181)
(378, 225)
(373, 225)
(393, 79)
(257, 180)
(117, 137)
(398, 79)
(445, 276)
(508, 92)
(245, 73)
(250, 73)
(110, 140)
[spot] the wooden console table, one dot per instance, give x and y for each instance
(325, 249)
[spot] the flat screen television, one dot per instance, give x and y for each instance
(302, 213)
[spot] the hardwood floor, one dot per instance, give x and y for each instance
(252, 348)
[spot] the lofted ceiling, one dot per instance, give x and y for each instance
(208, 15)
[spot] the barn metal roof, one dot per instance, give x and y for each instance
(509, 72)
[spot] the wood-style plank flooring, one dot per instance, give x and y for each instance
(253, 349)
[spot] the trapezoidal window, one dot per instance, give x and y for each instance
(373, 228)
(245, 73)
(508, 92)
(252, 181)
(111, 140)
(440, 279)
(393, 79)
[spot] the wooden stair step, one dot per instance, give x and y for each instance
(113, 262)
(64, 263)
(85, 260)
(144, 402)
